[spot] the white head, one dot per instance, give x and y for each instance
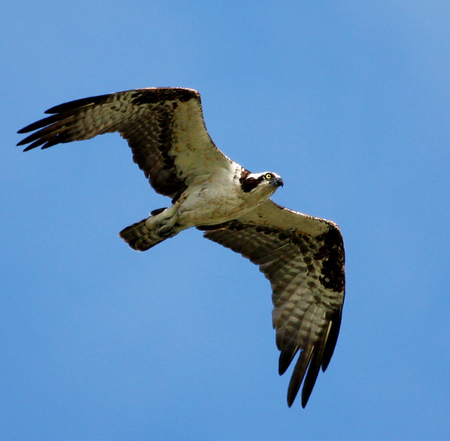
(263, 183)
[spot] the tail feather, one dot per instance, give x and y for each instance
(139, 237)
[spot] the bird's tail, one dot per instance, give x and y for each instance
(140, 237)
(147, 233)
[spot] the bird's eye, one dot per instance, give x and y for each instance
(268, 176)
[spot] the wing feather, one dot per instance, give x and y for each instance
(303, 257)
(163, 126)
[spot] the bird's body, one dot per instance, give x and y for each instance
(205, 202)
(302, 256)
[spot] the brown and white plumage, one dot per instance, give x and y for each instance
(302, 256)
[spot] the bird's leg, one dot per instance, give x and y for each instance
(166, 231)
(162, 224)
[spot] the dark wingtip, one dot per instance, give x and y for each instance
(291, 399)
(331, 341)
(305, 401)
(298, 374)
(285, 360)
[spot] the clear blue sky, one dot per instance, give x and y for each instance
(347, 101)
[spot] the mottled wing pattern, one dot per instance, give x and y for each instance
(163, 126)
(303, 257)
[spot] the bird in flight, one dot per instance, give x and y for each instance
(302, 256)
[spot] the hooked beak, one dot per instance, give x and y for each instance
(279, 182)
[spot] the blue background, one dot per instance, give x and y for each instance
(348, 101)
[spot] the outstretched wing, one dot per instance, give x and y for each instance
(163, 126)
(303, 257)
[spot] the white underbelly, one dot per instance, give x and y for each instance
(209, 206)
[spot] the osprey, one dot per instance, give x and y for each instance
(302, 256)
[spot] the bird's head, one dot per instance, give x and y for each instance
(264, 183)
